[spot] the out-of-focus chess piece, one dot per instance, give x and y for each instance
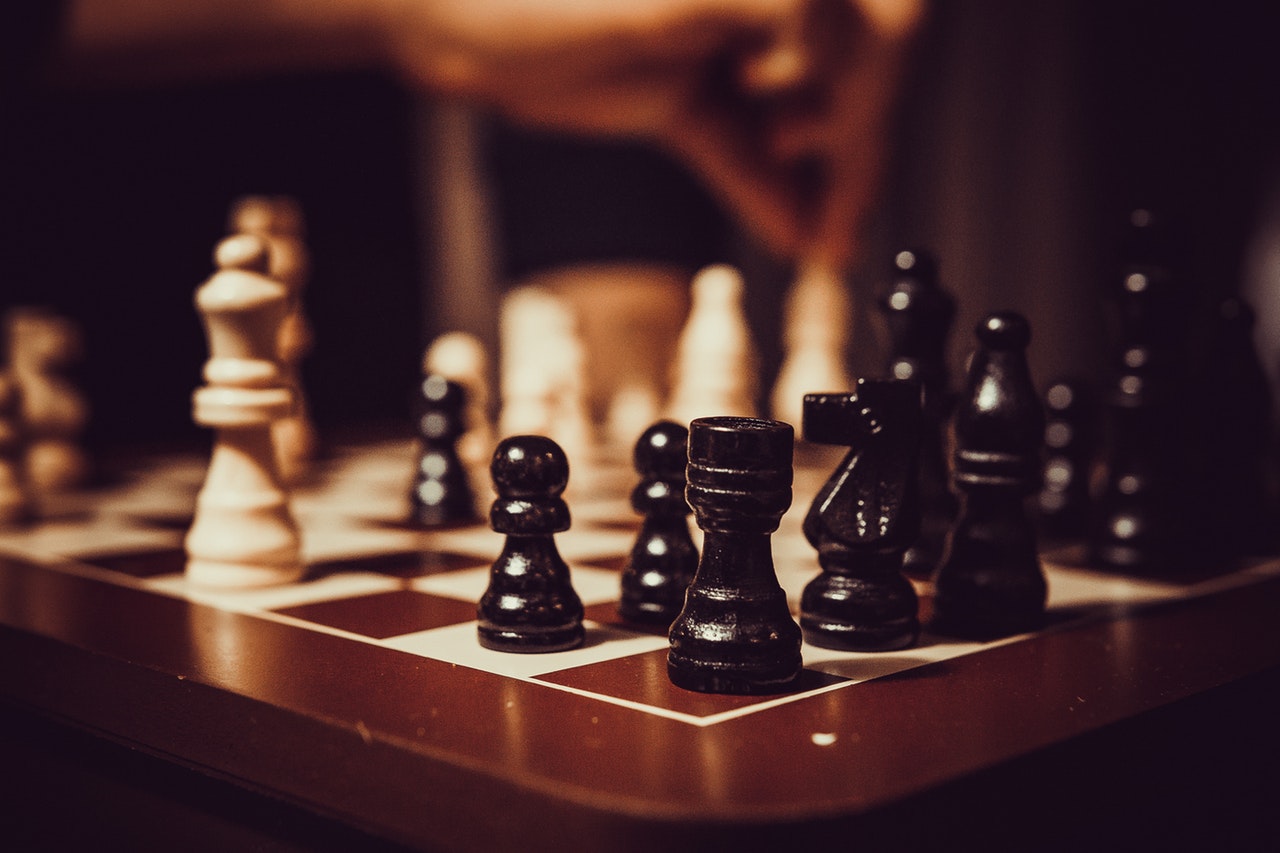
(15, 499)
(43, 349)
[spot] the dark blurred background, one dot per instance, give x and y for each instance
(1027, 132)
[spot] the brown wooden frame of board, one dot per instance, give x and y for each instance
(451, 757)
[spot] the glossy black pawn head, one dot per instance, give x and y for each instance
(662, 452)
(663, 559)
(990, 582)
(441, 495)
(735, 633)
(530, 604)
(529, 467)
(864, 518)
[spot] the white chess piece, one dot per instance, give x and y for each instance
(15, 495)
(542, 375)
(42, 347)
(815, 338)
(244, 534)
(279, 222)
(716, 363)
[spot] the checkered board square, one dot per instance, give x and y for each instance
(374, 580)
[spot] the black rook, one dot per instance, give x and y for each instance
(735, 633)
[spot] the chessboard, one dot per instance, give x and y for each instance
(362, 694)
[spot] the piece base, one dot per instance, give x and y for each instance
(217, 575)
(887, 637)
(531, 641)
(729, 679)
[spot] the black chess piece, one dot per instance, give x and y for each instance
(918, 313)
(735, 633)
(990, 582)
(663, 559)
(441, 495)
(530, 605)
(1142, 513)
(864, 518)
(1064, 504)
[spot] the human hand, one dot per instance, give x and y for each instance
(827, 85)
(660, 70)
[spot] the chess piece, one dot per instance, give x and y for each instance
(543, 379)
(15, 495)
(735, 633)
(1140, 522)
(715, 365)
(815, 337)
(243, 534)
(990, 582)
(530, 604)
(279, 222)
(627, 316)
(460, 357)
(42, 349)
(1064, 504)
(441, 495)
(864, 518)
(918, 314)
(663, 560)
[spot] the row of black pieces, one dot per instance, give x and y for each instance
(1180, 445)
(968, 509)
(1170, 471)
(730, 627)
(866, 518)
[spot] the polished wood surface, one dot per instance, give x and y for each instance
(428, 753)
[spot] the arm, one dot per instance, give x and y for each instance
(118, 42)
(652, 69)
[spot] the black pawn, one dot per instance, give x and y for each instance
(990, 582)
(1070, 439)
(663, 559)
(530, 605)
(441, 495)
(919, 313)
(864, 518)
(735, 633)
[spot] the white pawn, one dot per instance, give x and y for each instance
(716, 362)
(243, 534)
(15, 497)
(278, 221)
(543, 379)
(42, 348)
(460, 357)
(815, 338)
